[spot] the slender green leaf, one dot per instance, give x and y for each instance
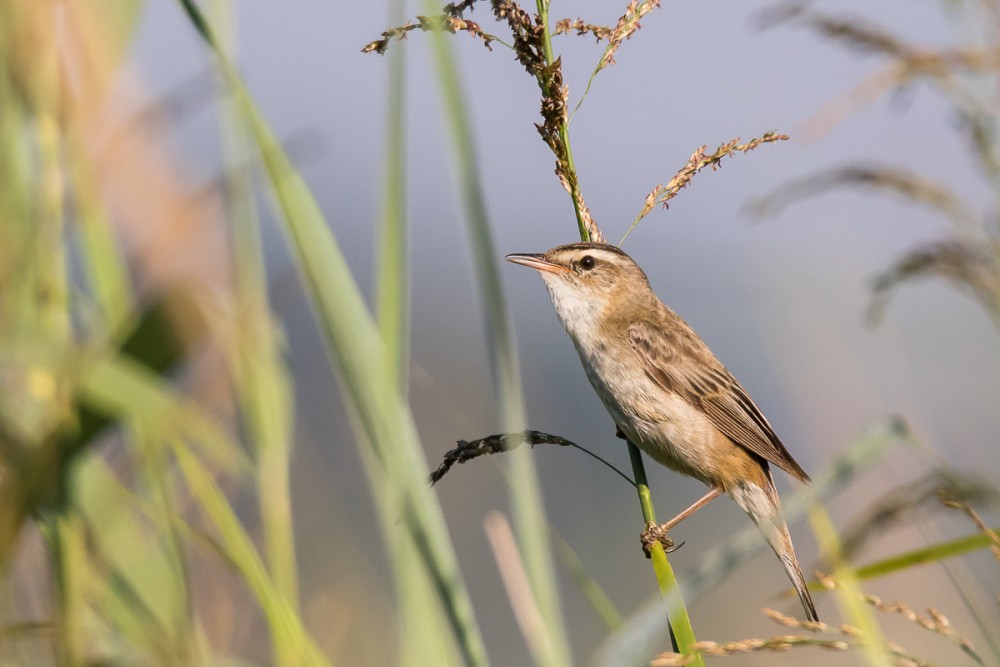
(602, 605)
(264, 383)
(392, 265)
(134, 541)
(525, 495)
(423, 636)
(286, 626)
(70, 564)
(928, 554)
(127, 390)
(849, 592)
(102, 259)
(358, 351)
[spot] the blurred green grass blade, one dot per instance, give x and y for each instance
(525, 495)
(119, 19)
(641, 635)
(422, 636)
(151, 348)
(266, 399)
(37, 282)
(169, 596)
(67, 545)
(103, 262)
(931, 554)
(283, 619)
(928, 554)
(421, 626)
(16, 175)
(48, 268)
(143, 592)
(123, 388)
(392, 262)
(154, 344)
(849, 593)
(592, 591)
(356, 347)
(264, 384)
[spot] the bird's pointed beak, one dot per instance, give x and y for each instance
(536, 261)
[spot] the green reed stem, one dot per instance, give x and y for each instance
(681, 630)
(543, 15)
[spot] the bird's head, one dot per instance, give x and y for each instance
(588, 281)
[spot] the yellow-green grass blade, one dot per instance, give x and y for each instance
(928, 554)
(34, 290)
(104, 264)
(169, 597)
(49, 270)
(17, 170)
(263, 381)
(849, 592)
(42, 457)
(121, 387)
(423, 637)
(135, 543)
(392, 262)
(931, 554)
(525, 495)
(357, 350)
(592, 591)
(67, 548)
(295, 644)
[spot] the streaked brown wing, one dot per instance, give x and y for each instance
(683, 364)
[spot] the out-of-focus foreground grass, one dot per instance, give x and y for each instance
(140, 368)
(145, 392)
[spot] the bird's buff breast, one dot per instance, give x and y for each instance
(661, 423)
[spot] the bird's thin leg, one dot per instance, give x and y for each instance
(658, 533)
(713, 493)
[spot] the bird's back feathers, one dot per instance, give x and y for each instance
(677, 360)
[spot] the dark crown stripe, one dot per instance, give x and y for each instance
(607, 247)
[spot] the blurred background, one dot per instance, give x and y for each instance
(125, 178)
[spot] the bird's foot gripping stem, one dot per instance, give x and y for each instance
(654, 533)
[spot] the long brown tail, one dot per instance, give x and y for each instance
(764, 507)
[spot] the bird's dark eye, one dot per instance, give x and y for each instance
(587, 263)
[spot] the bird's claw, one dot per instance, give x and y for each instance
(654, 533)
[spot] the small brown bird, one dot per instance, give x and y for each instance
(666, 391)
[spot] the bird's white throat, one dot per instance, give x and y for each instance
(577, 310)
